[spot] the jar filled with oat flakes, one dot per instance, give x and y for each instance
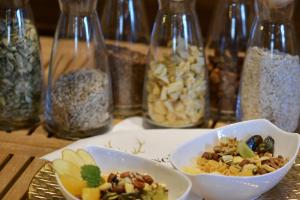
(175, 89)
(78, 99)
(271, 73)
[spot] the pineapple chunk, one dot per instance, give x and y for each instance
(72, 185)
(90, 194)
(129, 188)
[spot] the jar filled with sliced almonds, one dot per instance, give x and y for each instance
(175, 90)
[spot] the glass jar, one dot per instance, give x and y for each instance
(225, 53)
(271, 74)
(20, 67)
(78, 100)
(175, 92)
(126, 33)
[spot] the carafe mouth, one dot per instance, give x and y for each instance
(13, 3)
(78, 7)
(275, 10)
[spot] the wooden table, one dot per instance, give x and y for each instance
(20, 150)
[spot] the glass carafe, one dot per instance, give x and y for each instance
(175, 89)
(126, 33)
(20, 67)
(225, 53)
(78, 100)
(271, 73)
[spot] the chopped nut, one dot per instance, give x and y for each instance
(138, 183)
(111, 178)
(148, 179)
(244, 162)
(125, 174)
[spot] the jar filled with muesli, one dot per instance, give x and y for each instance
(21, 79)
(225, 53)
(78, 99)
(175, 89)
(126, 33)
(271, 73)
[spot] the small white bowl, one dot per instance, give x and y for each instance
(115, 161)
(219, 187)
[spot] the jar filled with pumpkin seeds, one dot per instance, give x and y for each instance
(175, 89)
(20, 67)
(78, 99)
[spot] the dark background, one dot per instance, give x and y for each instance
(46, 13)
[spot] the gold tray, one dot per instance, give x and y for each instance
(44, 186)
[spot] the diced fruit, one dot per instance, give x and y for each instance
(90, 194)
(72, 185)
(86, 157)
(244, 150)
(72, 157)
(105, 186)
(63, 167)
(129, 188)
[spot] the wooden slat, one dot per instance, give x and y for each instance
(21, 149)
(38, 138)
(21, 186)
(10, 171)
(3, 157)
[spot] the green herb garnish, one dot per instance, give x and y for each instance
(92, 175)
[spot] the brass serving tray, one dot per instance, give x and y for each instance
(44, 186)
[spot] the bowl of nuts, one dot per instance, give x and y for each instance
(101, 173)
(238, 161)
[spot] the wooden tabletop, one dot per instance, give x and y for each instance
(20, 150)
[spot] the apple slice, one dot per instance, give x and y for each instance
(73, 185)
(72, 157)
(63, 167)
(86, 157)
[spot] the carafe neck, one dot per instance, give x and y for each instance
(177, 5)
(78, 7)
(275, 11)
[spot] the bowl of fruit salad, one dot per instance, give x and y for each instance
(239, 161)
(105, 174)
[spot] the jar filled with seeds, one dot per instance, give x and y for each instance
(271, 75)
(78, 99)
(225, 53)
(20, 67)
(126, 33)
(175, 89)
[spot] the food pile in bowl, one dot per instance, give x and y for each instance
(81, 177)
(239, 158)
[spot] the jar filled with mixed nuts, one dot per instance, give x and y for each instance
(126, 33)
(20, 67)
(78, 100)
(175, 89)
(225, 53)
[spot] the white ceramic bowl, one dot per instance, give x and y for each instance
(219, 187)
(115, 161)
